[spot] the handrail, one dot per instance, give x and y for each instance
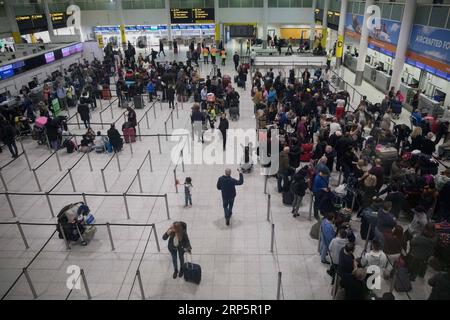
(109, 105)
(92, 224)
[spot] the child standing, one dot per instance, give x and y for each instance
(188, 192)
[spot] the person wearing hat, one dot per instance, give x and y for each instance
(428, 146)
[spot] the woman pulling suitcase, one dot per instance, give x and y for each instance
(178, 245)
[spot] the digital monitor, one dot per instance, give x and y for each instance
(49, 57)
(243, 31)
(6, 71)
(65, 51)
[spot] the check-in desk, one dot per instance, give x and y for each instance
(430, 106)
(382, 82)
(350, 62)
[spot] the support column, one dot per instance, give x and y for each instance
(169, 24)
(403, 40)
(217, 36)
(121, 20)
(312, 32)
(341, 33)
(11, 15)
(326, 6)
(48, 16)
(265, 21)
(363, 44)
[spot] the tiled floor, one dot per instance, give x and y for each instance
(237, 262)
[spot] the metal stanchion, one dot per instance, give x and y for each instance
(23, 235)
(141, 287)
(10, 205)
(139, 179)
(156, 238)
(64, 237)
(311, 206)
(50, 204)
(150, 160)
(27, 276)
(89, 160)
(101, 120)
(176, 106)
(3, 181)
(36, 179)
(108, 226)
(103, 178)
(126, 205)
(367, 238)
(171, 119)
(78, 120)
(265, 184)
(59, 162)
(272, 240)
(159, 144)
(25, 154)
(279, 285)
(165, 130)
(84, 198)
(112, 112)
(118, 161)
(139, 132)
(268, 207)
(71, 180)
(182, 160)
(167, 206)
(175, 180)
(83, 277)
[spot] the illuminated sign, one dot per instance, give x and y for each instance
(196, 15)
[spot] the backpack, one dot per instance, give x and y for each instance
(70, 146)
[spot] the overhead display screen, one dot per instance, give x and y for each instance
(38, 22)
(196, 15)
(244, 31)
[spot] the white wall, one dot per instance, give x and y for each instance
(241, 15)
(291, 15)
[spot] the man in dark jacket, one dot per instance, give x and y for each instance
(236, 60)
(170, 94)
(385, 222)
(83, 110)
(223, 127)
(227, 185)
(8, 136)
(441, 286)
(115, 138)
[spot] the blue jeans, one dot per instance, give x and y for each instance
(187, 199)
(228, 207)
(180, 253)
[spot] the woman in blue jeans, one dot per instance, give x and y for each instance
(178, 245)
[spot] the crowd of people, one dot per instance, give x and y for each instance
(390, 179)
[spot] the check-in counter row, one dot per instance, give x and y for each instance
(378, 79)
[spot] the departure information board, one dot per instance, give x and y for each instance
(196, 15)
(38, 22)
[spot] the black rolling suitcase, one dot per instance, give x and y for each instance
(288, 198)
(192, 272)
(138, 102)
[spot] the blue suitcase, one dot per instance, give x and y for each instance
(192, 272)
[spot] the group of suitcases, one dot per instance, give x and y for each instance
(75, 223)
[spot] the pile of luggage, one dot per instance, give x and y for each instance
(75, 223)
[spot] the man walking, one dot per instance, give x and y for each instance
(227, 185)
(161, 48)
(223, 127)
(236, 61)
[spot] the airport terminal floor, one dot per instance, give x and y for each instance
(264, 253)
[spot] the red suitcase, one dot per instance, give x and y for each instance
(129, 135)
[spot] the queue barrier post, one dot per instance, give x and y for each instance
(265, 184)
(268, 207)
(84, 198)
(139, 179)
(139, 131)
(131, 147)
(89, 160)
(108, 226)
(156, 238)
(182, 160)
(141, 287)
(103, 178)
(171, 119)
(150, 160)
(10, 205)
(272, 238)
(159, 144)
(154, 112)
(101, 119)
(167, 206)
(30, 283)
(3, 181)
(165, 130)
(279, 285)
(86, 287)
(23, 235)
(118, 161)
(71, 179)
(59, 162)
(47, 196)
(311, 202)
(36, 179)
(126, 205)
(175, 179)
